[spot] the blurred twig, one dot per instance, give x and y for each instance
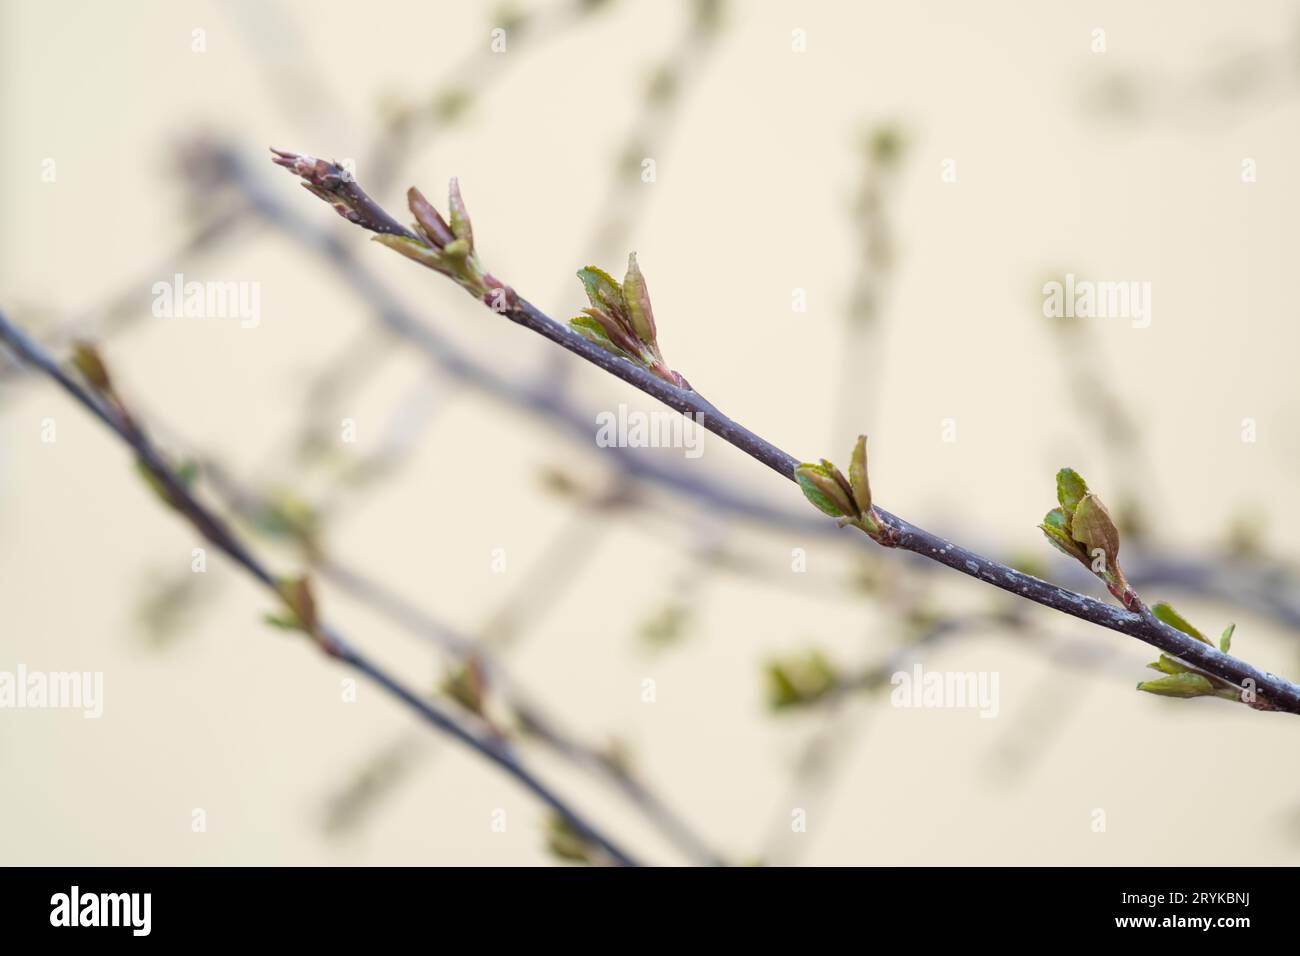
(174, 489)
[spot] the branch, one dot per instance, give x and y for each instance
(102, 401)
(1262, 589)
(623, 343)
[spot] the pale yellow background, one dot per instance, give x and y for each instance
(751, 201)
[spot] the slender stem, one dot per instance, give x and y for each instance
(1261, 589)
(218, 532)
(1264, 691)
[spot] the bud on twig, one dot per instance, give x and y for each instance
(300, 603)
(85, 358)
(848, 499)
(431, 241)
(448, 248)
(1083, 529)
(621, 319)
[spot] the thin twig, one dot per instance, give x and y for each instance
(1263, 690)
(215, 530)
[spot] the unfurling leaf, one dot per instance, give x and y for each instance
(1189, 684)
(1183, 681)
(845, 487)
(1070, 489)
(1225, 641)
(821, 488)
(627, 319)
(1167, 665)
(412, 249)
(1056, 527)
(460, 224)
(428, 219)
(1171, 617)
(1091, 526)
(605, 294)
(858, 475)
(637, 299)
(591, 328)
(1179, 685)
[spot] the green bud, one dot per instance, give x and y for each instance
(1091, 526)
(861, 488)
(637, 299)
(845, 487)
(460, 224)
(823, 490)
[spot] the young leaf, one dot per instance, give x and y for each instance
(1058, 522)
(1171, 617)
(1070, 489)
(460, 224)
(428, 219)
(805, 475)
(823, 490)
(1225, 642)
(591, 329)
(845, 487)
(637, 298)
(1054, 528)
(858, 475)
(602, 290)
(416, 251)
(1167, 665)
(1179, 685)
(1092, 527)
